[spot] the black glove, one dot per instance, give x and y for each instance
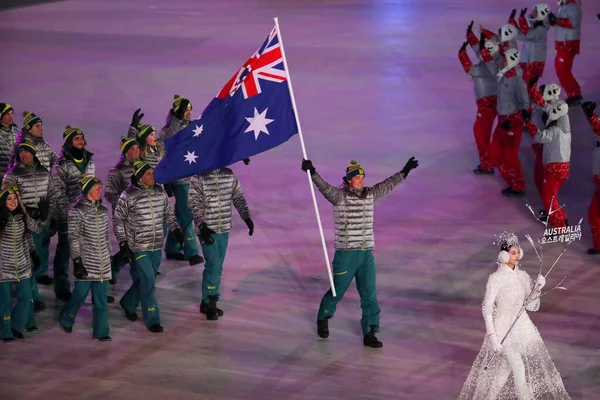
(526, 116)
(250, 224)
(588, 108)
(463, 47)
(482, 41)
(411, 164)
(308, 166)
(598, 15)
(169, 189)
(34, 213)
(532, 82)
(126, 253)
(523, 12)
(246, 161)
(470, 28)
(137, 118)
(53, 227)
(179, 114)
(44, 208)
(34, 259)
(178, 235)
(205, 234)
(544, 117)
(513, 13)
(506, 125)
(552, 19)
(78, 269)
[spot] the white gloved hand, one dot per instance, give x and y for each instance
(495, 342)
(540, 282)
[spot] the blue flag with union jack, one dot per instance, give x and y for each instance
(251, 114)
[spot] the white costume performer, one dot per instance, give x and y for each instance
(522, 369)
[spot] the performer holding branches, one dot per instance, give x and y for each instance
(523, 355)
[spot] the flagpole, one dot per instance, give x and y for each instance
(310, 182)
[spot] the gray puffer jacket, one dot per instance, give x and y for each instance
(572, 12)
(512, 95)
(535, 44)
(139, 217)
(8, 136)
(173, 126)
(210, 198)
(89, 238)
(43, 151)
(33, 182)
(118, 179)
(15, 245)
(64, 182)
(353, 210)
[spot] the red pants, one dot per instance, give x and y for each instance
(594, 214)
(532, 69)
(563, 63)
(505, 151)
(555, 174)
(538, 167)
(484, 122)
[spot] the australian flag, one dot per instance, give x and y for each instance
(251, 114)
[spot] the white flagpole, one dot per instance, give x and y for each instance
(310, 182)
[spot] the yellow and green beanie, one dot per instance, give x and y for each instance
(5, 108)
(127, 143)
(70, 133)
(354, 169)
(87, 183)
(30, 119)
(140, 168)
(145, 131)
(177, 101)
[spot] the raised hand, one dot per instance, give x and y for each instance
(308, 166)
(513, 13)
(463, 47)
(411, 164)
(588, 108)
(523, 12)
(470, 28)
(137, 118)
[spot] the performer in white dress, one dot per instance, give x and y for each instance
(522, 368)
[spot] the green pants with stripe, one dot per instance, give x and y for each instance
(348, 265)
(142, 290)
(214, 256)
(99, 290)
(16, 318)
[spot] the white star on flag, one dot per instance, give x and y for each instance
(191, 157)
(198, 131)
(258, 123)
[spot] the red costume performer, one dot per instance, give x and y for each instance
(594, 209)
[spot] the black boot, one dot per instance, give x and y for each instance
(64, 296)
(593, 251)
(130, 316)
(8, 340)
(67, 329)
(370, 340)
(323, 328)
(574, 101)
(195, 260)
(44, 280)
(506, 191)
(18, 335)
(514, 193)
(113, 280)
(204, 306)
(39, 306)
(32, 329)
(176, 257)
(212, 312)
(104, 339)
(479, 171)
(156, 328)
(543, 216)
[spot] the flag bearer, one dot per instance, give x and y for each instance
(354, 243)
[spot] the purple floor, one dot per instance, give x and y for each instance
(377, 81)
